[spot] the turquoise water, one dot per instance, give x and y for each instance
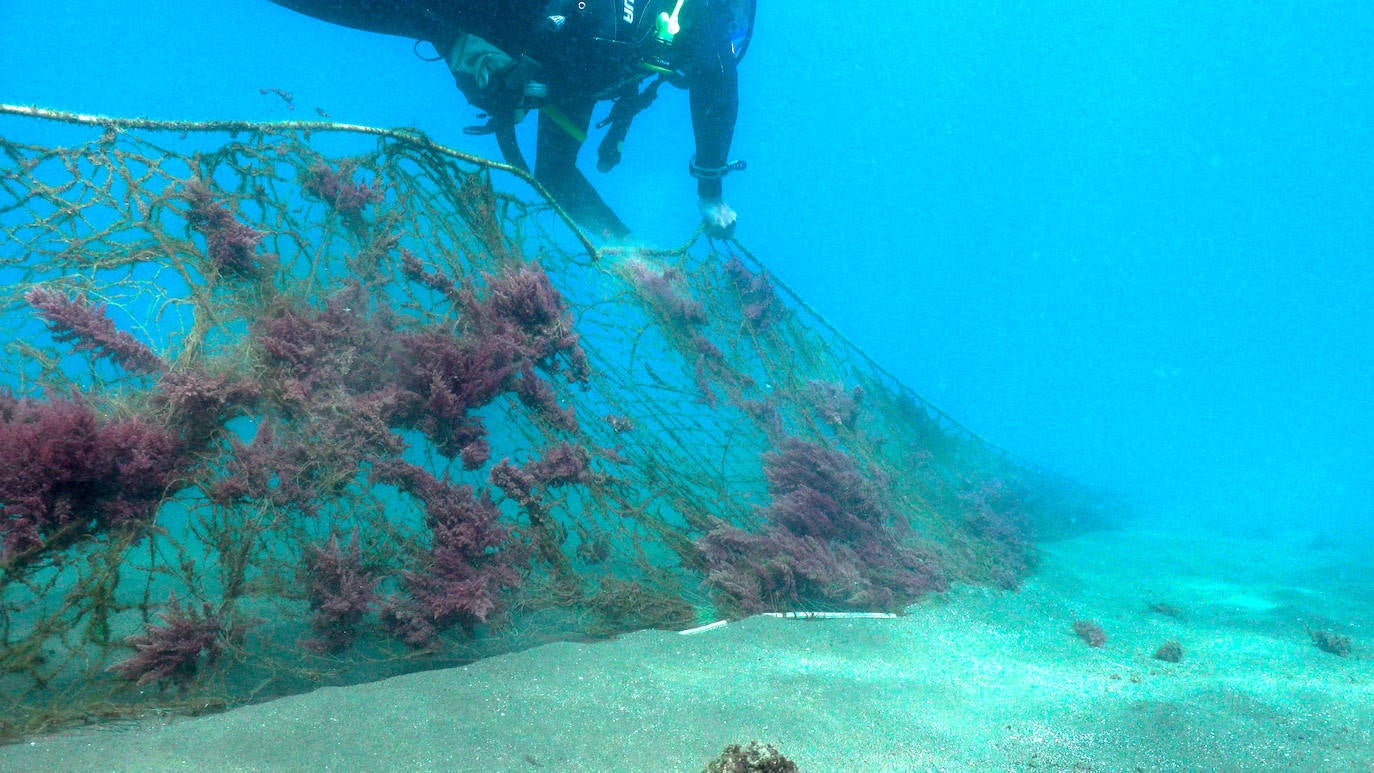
(1129, 241)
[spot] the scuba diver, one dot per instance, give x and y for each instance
(559, 58)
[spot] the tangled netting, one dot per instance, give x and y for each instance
(287, 405)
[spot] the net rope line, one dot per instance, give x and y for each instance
(411, 136)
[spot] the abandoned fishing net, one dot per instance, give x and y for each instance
(298, 404)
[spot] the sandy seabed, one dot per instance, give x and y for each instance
(975, 679)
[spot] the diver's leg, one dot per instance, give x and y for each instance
(555, 166)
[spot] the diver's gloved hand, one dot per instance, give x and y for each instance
(717, 217)
(501, 86)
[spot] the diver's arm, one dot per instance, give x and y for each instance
(714, 85)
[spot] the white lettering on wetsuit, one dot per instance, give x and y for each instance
(630, 11)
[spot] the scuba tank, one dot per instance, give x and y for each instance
(666, 28)
(741, 26)
(631, 100)
(636, 36)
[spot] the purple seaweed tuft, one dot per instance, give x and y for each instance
(452, 376)
(336, 188)
(173, 650)
(526, 298)
(66, 474)
(415, 271)
(342, 590)
(561, 465)
(197, 404)
(995, 512)
(759, 304)
(515, 482)
(80, 322)
(833, 404)
(230, 244)
(535, 393)
(471, 557)
(658, 287)
(827, 539)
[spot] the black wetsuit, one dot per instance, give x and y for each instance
(596, 50)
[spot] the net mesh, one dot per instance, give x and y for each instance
(297, 404)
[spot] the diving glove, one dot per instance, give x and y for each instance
(493, 81)
(717, 217)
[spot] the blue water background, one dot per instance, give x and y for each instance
(1131, 241)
